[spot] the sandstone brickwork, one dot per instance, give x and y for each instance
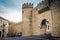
(27, 18)
(50, 12)
(44, 18)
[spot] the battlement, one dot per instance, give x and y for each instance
(44, 5)
(27, 5)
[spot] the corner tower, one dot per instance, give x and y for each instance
(27, 18)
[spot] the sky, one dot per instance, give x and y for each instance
(12, 9)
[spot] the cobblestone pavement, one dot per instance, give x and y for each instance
(42, 37)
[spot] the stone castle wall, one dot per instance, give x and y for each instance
(36, 22)
(55, 10)
(26, 19)
(32, 19)
(52, 16)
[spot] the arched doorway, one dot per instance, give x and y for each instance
(45, 26)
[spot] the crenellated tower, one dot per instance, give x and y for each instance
(27, 5)
(27, 18)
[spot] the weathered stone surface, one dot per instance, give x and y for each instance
(32, 19)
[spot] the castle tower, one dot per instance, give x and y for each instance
(27, 18)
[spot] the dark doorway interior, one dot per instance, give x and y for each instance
(0, 33)
(43, 22)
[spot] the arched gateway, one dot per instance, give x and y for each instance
(46, 26)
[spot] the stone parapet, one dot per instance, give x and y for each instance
(27, 5)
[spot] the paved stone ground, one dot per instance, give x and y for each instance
(22, 38)
(41, 37)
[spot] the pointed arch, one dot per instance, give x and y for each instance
(43, 22)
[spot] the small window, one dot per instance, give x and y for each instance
(4, 25)
(48, 27)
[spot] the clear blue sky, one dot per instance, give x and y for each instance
(12, 9)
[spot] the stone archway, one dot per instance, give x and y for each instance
(45, 27)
